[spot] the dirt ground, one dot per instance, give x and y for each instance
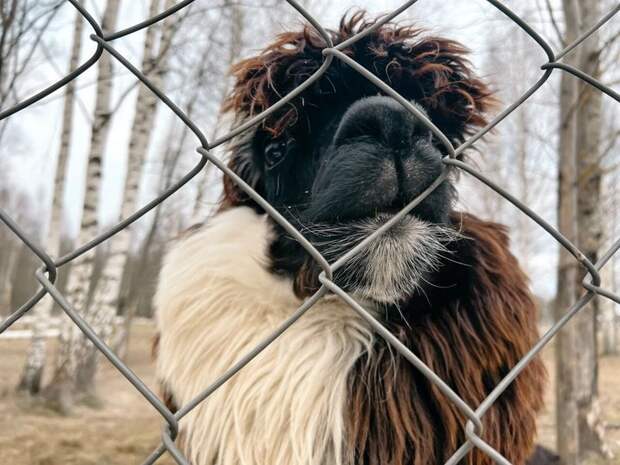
(124, 429)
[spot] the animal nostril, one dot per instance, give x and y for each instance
(378, 161)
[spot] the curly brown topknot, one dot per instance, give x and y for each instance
(433, 71)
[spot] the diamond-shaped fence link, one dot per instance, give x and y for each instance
(46, 275)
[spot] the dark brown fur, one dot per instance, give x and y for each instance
(399, 418)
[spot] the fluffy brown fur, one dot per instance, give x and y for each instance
(471, 344)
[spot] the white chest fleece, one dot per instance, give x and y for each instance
(216, 301)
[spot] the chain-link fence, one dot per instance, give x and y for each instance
(46, 275)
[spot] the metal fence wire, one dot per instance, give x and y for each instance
(46, 275)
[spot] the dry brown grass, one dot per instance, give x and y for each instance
(125, 428)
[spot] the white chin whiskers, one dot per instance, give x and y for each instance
(392, 266)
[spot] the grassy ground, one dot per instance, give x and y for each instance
(125, 428)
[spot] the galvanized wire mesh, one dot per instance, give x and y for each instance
(46, 275)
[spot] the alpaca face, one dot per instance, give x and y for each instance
(370, 157)
(340, 159)
(344, 173)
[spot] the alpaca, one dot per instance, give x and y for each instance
(338, 161)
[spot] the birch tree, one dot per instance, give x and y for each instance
(154, 65)
(135, 277)
(565, 348)
(204, 86)
(136, 269)
(30, 381)
(236, 30)
(22, 25)
(8, 248)
(589, 237)
(68, 377)
(580, 430)
(610, 330)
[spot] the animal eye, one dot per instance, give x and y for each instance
(274, 153)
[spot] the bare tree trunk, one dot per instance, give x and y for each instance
(22, 24)
(565, 348)
(32, 373)
(8, 259)
(237, 26)
(171, 159)
(154, 64)
(523, 152)
(131, 298)
(589, 172)
(73, 345)
(609, 320)
(198, 211)
(7, 250)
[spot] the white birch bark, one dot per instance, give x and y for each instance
(30, 381)
(73, 344)
(154, 62)
(129, 299)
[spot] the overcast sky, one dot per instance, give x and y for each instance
(32, 143)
